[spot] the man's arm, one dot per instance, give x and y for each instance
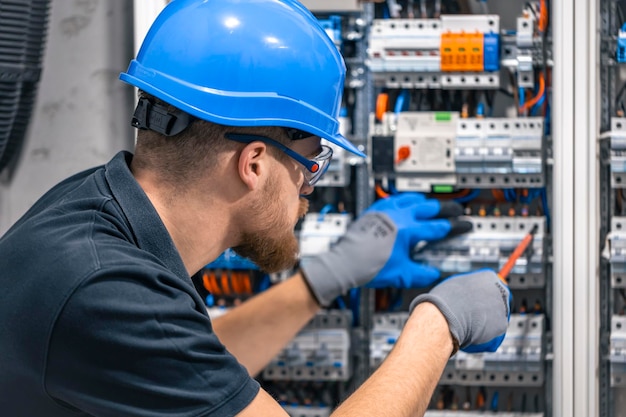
(405, 381)
(255, 331)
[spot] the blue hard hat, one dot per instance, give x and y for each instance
(244, 63)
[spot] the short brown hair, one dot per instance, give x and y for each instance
(182, 158)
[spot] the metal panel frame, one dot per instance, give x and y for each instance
(563, 218)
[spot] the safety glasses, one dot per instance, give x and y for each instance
(315, 167)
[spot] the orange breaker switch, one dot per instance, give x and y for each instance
(404, 152)
(462, 52)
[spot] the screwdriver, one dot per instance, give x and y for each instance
(519, 250)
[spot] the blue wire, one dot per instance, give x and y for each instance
(480, 109)
(341, 303)
(392, 188)
(385, 11)
(265, 283)
(537, 106)
(522, 97)
(355, 304)
(397, 302)
(472, 195)
(494, 401)
(401, 101)
(509, 194)
(325, 210)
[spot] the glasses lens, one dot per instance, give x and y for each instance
(323, 161)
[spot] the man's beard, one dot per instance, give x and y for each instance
(273, 246)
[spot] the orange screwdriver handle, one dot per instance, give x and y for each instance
(519, 250)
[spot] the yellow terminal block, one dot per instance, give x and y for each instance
(462, 52)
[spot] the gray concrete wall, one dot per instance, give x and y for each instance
(82, 114)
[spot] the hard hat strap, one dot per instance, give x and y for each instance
(149, 115)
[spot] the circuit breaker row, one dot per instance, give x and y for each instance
(615, 253)
(488, 245)
(451, 52)
(517, 362)
(421, 150)
(320, 351)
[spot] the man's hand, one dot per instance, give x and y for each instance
(376, 248)
(477, 307)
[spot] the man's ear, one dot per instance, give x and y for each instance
(253, 164)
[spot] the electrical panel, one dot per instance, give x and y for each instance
(612, 122)
(451, 99)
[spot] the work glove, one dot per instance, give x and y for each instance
(477, 307)
(376, 248)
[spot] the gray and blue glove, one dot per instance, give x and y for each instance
(477, 307)
(376, 249)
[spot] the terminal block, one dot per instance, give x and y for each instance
(408, 45)
(500, 152)
(489, 245)
(617, 252)
(461, 52)
(385, 332)
(617, 351)
(431, 148)
(321, 351)
(517, 362)
(618, 152)
(320, 231)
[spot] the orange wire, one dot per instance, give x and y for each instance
(214, 285)
(235, 281)
(542, 86)
(380, 192)
(498, 195)
(224, 282)
(448, 196)
(210, 283)
(206, 282)
(247, 284)
(382, 104)
(543, 15)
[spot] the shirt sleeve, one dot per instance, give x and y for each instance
(137, 342)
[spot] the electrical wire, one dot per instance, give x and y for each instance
(469, 197)
(543, 17)
(618, 98)
(530, 103)
(382, 104)
(530, 7)
(380, 192)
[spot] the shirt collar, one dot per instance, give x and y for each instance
(149, 231)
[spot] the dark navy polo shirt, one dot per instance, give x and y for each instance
(98, 315)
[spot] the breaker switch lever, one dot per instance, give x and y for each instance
(403, 153)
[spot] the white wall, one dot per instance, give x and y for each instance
(82, 113)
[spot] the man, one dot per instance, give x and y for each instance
(100, 316)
